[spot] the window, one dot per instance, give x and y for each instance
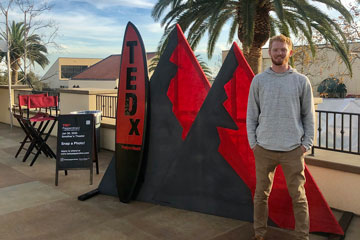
(68, 71)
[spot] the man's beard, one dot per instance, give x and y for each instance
(280, 61)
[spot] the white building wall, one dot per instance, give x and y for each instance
(103, 84)
(51, 77)
(326, 64)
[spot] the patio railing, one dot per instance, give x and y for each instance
(107, 105)
(338, 131)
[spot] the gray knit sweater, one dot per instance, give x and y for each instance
(280, 113)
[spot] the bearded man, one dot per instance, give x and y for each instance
(280, 127)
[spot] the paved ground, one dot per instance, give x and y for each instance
(33, 208)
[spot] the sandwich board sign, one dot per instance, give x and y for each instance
(75, 143)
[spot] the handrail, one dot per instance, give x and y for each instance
(107, 105)
(338, 131)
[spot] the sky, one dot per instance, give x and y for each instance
(95, 28)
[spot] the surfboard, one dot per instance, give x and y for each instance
(131, 113)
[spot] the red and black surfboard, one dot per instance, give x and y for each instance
(131, 113)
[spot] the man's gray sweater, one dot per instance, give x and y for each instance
(280, 112)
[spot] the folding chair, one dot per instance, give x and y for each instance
(22, 103)
(38, 135)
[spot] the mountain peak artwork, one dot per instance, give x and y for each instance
(189, 87)
(201, 160)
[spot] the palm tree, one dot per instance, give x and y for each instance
(207, 71)
(35, 49)
(254, 21)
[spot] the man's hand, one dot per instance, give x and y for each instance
(303, 149)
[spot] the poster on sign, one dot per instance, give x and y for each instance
(75, 143)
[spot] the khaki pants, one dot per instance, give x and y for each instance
(292, 163)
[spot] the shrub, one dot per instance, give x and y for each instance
(332, 88)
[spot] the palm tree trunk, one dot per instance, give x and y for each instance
(253, 53)
(254, 58)
(14, 72)
(14, 77)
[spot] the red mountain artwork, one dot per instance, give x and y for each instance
(189, 87)
(198, 157)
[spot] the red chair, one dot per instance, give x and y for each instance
(44, 106)
(22, 105)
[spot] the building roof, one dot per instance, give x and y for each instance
(106, 69)
(150, 55)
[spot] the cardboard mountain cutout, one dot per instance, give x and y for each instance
(199, 178)
(213, 170)
(107, 186)
(178, 88)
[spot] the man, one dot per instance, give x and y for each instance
(280, 126)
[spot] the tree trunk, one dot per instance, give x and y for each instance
(253, 53)
(254, 59)
(14, 71)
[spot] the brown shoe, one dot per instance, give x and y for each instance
(258, 238)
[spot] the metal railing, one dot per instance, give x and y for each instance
(338, 131)
(107, 105)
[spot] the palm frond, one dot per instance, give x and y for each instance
(153, 63)
(159, 8)
(272, 27)
(215, 30)
(253, 20)
(195, 35)
(233, 28)
(278, 6)
(204, 66)
(338, 7)
(336, 43)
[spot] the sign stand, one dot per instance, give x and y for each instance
(76, 144)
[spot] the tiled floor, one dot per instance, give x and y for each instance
(33, 208)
